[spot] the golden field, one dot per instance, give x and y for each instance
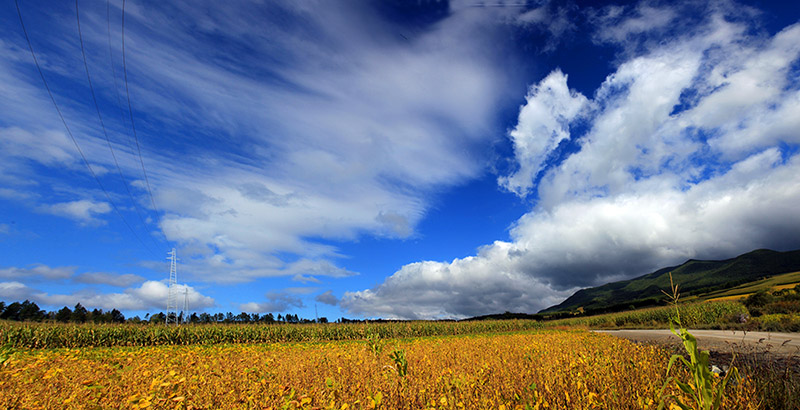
(534, 369)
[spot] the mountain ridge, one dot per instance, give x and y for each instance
(695, 276)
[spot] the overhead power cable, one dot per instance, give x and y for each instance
(133, 125)
(69, 132)
(102, 124)
(122, 115)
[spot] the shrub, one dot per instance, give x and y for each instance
(758, 299)
(778, 322)
(782, 306)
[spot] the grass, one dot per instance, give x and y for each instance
(778, 377)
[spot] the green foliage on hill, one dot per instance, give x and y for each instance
(695, 277)
(693, 314)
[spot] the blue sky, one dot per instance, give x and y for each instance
(389, 159)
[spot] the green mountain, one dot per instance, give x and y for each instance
(695, 277)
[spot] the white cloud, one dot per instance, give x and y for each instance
(331, 129)
(351, 142)
(599, 240)
(334, 129)
(37, 271)
(276, 302)
(755, 97)
(619, 23)
(555, 22)
(151, 295)
(107, 278)
(84, 211)
(465, 287)
(543, 124)
(8, 193)
(632, 129)
(300, 290)
(48, 148)
(327, 298)
(14, 291)
(663, 174)
(306, 267)
(537, 15)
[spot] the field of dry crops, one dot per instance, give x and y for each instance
(522, 370)
(42, 335)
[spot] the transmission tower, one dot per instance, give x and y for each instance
(172, 293)
(186, 305)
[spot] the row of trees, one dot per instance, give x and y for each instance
(229, 317)
(30, 311)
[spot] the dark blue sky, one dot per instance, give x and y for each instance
(389, 159)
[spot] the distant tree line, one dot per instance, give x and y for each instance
(229, 317)
(30, 311)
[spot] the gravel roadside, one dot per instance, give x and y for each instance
(721, 341)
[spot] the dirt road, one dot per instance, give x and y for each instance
(724, 341)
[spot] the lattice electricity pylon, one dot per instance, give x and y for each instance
(186, 305)
(172, 292)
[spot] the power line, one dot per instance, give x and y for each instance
(102, 124)
(72, 137)
(125, 120)
(122, 115)
(130, 111)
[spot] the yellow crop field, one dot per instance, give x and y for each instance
(784, 287)
(733, 298)
(739, 297)
(523, 370)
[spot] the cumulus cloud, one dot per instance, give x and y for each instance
(542, 125)
(276, 302)
(465, 287)
(14, 291)
(327, 298)
(687, 154)
(154, 293)
(84, 211)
